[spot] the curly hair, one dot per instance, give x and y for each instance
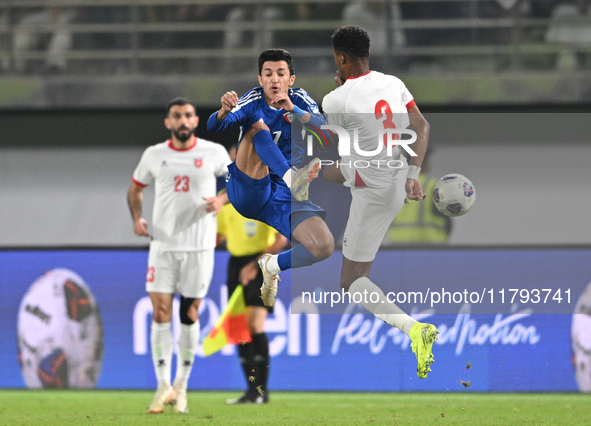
(352, 41)
(276, 55)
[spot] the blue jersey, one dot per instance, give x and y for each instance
(253, 107)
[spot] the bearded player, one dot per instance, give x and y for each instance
(183, 236)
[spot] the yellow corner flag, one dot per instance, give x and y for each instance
(231, 326)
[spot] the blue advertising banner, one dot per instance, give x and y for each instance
(86, 312)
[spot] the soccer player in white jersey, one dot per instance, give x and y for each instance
(368, 102)
(183, 236)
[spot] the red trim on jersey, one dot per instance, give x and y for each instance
(182, 149)
(358, 180)
(143, 185)
(357, 76)
(410, 104)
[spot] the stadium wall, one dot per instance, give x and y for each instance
(510, 348)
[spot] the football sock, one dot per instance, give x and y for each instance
(297, 257)
(260, 346)
(269, 153)
(382, 309)
(188, 340)
(287, 178)
(273, 264)
(246, 354)
(162, 343)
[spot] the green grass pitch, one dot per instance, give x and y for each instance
(48, 407)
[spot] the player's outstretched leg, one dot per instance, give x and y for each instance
(163, 397)
(302, 179)
(269, 288)
(423, 336)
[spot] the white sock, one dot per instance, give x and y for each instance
(287, 177)
(162, 343)
(188, 341)
(382, 309)
(273, 265)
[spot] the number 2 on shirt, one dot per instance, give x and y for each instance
(181, 183)
(383, 108)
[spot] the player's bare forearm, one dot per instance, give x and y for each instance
(419, 124)
(134, 201)
(222, 114)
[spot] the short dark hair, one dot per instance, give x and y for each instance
(276, 55)
(352, 41)
(179, 102)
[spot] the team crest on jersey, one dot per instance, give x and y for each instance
(287, 117)
(198, 162)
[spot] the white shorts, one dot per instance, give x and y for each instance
(371, 213)
(186, 272)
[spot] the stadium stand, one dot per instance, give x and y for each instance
(480, 51)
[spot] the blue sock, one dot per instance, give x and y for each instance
(269, 153)
(295, 258)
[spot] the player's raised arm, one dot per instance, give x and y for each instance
(224, 118)
(229, 101)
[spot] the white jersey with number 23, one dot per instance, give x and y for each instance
(182, 179)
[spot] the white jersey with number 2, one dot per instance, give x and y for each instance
(369, 104)
(182, 179)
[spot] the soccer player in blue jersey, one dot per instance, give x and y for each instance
(261, 180)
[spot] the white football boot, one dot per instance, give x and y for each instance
(301, 181)
(269, 288)
(162, 398)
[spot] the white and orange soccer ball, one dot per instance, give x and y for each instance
(454, 195)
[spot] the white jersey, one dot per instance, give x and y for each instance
(183, 178)
(370, 103)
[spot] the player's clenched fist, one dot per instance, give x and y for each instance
(140, 227)
(229, 101)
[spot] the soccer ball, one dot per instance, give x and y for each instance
(454, 195)
(60, 334)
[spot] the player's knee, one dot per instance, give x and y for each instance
(162, 313)
(254, 129)
(188, 311)
(323, 247)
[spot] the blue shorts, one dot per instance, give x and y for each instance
(267, 201)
